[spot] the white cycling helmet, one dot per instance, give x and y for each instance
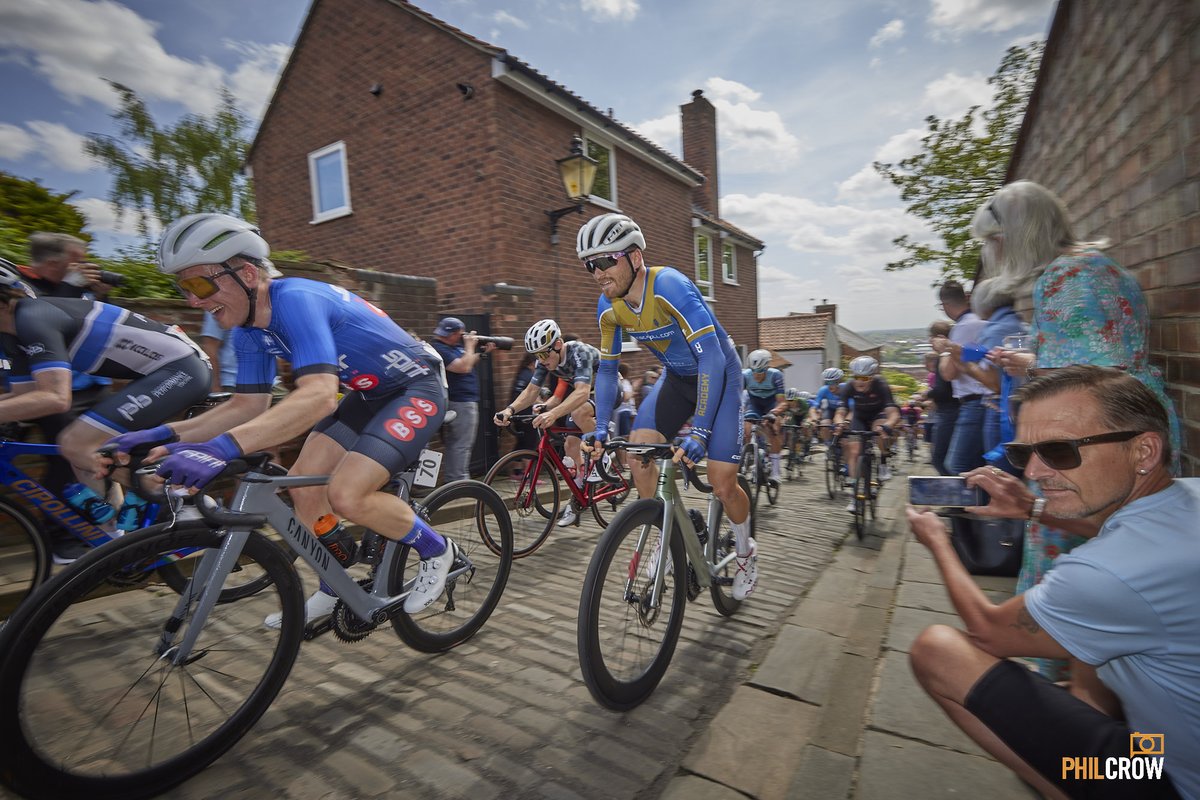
(793, 394)
(11, 282)
(608, 233)
(864, 366)
(209, 239)
(832, 374)
(541, 335)
(805, 396)
(758, 360)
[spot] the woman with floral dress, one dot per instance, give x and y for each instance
(1087, 309)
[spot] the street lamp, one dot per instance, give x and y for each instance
(578, 173)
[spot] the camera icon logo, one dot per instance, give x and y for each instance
(1145, 744)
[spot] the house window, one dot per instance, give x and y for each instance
(605, 187)
(728, 263)
(330, 182)
(628, 343)
(704, 265)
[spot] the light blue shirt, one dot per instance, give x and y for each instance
(1125, 602)
(968, 329)
(227, 356)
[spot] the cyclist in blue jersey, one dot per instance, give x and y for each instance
(826, 403)
(395, 391)
(665, 312)
(765, 395)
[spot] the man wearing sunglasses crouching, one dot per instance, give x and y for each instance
(395, 395)
(1121, 606)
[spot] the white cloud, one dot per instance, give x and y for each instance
(663, 131)
(504, 18)
(78, 45)
(868, 184)
(888, 33)
(952, 94)
(103, 217)
(732, 91)
(253, 82)
(15, 142)
(62, 147)
(625, 10)
(955, 17)
(804, 225)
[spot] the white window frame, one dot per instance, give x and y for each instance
(705, 287)
(315, 189)
(729, 275)
(628, 343)
(608, 145)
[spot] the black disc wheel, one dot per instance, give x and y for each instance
(96, 699)
(531, 495)
(626, 640)
(476, 519)
(24, 557)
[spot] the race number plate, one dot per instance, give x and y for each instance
(428, 468)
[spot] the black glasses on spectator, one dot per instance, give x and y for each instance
(1061, 454)
(603, 262)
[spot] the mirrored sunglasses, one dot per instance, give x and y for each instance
(1061, 454)
(603, 262)
(544, 355)
(202, 286)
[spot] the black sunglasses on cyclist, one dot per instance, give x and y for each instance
(202, 286)
(603, 262)
(1060, 454)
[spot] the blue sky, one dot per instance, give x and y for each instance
(808, 94)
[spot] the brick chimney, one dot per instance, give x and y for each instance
(700, 148)
(827, 307)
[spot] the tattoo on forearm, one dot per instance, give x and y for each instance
(1025, 622)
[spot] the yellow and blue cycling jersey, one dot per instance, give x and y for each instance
(672, 321)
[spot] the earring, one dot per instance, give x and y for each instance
(1142, 471)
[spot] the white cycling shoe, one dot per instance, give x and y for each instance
(431, 580)
(319, 605)
(746, 577)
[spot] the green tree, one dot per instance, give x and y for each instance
(27, 207)
(960, 167)
(165, 172)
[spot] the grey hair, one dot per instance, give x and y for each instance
(1035, 229)
(45, 246)
(990, 294)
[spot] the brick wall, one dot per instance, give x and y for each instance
(453, 188)
(1114, 129)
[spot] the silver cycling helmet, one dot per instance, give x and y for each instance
(758, 360)
(11, 282)
(541, 335)
(805, 396)
(608, 233)
(832, 375)
(864, 366)
(210, 239)
(793, 394)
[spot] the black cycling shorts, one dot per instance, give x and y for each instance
(1043, 723)
(153, 399)
(390, 430)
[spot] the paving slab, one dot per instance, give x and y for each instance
(903, 708)
(798, 664)
(841, 722)
(822, 774)
(823, 615)
(892, 767)
(693, 787)
(926, 596)
(750, 738)
(908, 622)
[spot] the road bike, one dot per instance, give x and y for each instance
(798, 441)
(866, 484)
(126, 695)
(631, 607)
(835, 472)
(529, 482)
(910, 441)
(756, 463)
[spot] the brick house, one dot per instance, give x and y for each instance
(808, 341)
(1113, 128)
(422, 151)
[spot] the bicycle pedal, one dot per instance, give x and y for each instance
(318, 627)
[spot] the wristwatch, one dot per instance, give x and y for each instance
(1035, 511)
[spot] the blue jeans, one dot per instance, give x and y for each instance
(943, 429)
(458, 439)
(966, 443)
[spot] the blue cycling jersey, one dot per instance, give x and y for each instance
(771, 385)
(320, 328)
(672, 321)
(827, 400)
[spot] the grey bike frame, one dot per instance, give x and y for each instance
(673, 511)
(257, 493)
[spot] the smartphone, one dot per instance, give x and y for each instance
(937, 490)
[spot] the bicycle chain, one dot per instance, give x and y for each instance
(346, 624)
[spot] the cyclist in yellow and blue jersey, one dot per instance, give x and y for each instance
(665, 312)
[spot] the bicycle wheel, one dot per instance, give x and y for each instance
(832, 473)
(532, 500)
(604, 508)
(771, 485)
(24, 557)
(625, 645)
(750, 470)
(88, 705)
(475, 517)
(721, 542)
(248, 577)
(862, 493)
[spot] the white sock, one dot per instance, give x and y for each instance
(775, 462)
(741, 535)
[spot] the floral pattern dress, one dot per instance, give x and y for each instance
(1087, 309)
